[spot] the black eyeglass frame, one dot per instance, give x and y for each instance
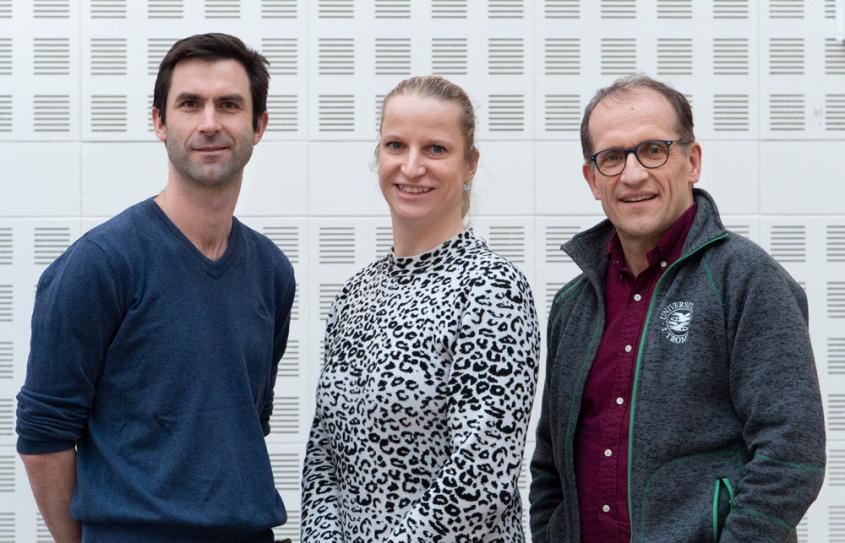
(629, 150)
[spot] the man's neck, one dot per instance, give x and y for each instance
(636, 252)
(203, 214)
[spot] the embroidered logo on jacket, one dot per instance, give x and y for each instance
(676, 318)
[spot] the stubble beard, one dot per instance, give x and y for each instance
(211, 175)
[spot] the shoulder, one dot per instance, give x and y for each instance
(484, 268)
(741, 261)
(266, 249)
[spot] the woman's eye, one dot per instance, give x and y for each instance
(437, 150)
(393, 145)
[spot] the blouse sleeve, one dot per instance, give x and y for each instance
(491, 389)
(320, 510)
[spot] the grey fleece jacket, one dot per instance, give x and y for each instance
(726, 433)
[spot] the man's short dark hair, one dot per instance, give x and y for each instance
(624, 85)
(212, 47)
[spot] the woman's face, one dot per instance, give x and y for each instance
(421, 162)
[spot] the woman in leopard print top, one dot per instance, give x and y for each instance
(431, 356)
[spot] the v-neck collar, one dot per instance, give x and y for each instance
(214, 268)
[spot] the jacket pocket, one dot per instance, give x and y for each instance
(721, 505)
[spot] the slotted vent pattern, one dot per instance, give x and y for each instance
(448, 9)
(836, 413)
(508, 241)
(279, 9)
(384, 240)
(285, 417)
(786, 112)
(618, 9)
(786, 9)
(328, 292)
(507, 112)
(49, 243)
(505, 9)
(165, 9)
(7, 473)
(289, 364)
(6, 113)
(618, 56)
(336, 9)
(789, 243)
(393, 9)
(51, 113)
(674, 9)
(336, 112)
(393, 56)
(281, 53)
(742, 229)
(51, 9)
(836, 523)
(108, 9)
(562, 9)
(284, 114)
(731, 112)
(836, 243)
(563, 112)
(7, 528)
(563, 56)
(337, 56)
(5, 56)
(156, 49)
(286, 238)
(42, 533)
(337, 245)
(290, 529)
(836, 299)
(786, 56)
(378, 102)
(730, 56)
(294, 308)
(801, 531)
(557, 235)
(834, 112)
(836, 356)
(834, 57)
(6, 246)
(830, 9)
(506, 56)
(551, 291)
(108, 56)
(147, 115)
(108, 113)
(674, 56)
(222, 9)
(6, 418)
(6, 360)
(286, 470)
(449, 56)
(5, 9)
(51, 56)
(730, 9)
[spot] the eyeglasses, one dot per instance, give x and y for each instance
(650, 153)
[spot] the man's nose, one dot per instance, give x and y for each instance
(634, 172)
(209, 120)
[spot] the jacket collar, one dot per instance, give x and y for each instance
(588, 249)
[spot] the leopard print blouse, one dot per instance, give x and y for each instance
(423, 403)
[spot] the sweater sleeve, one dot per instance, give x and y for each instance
(775, 392)
(491, 388)
(280, 341)
(78, 309)
(320, 491)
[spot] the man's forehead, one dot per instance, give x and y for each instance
(200, 72)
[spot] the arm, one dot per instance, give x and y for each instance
(491, 388)
(775, 392)
(280, 342)
(52, 478)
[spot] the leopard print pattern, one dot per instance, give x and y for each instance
(423, 402)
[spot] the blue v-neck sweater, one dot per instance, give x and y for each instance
(159, 364)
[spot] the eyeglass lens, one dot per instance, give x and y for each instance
(651, 154)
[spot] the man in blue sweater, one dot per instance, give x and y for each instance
(156, 336)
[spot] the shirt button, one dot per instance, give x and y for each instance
(608, 453)
(605, 508)
(637, 297)
(663, 264)
(628, 348)
(620, 400)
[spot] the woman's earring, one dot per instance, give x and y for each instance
(466, 186)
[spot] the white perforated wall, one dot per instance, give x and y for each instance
(766, 79)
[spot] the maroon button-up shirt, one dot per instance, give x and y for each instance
(601, 439)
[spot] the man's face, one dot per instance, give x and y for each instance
(641, 203)
(209, 134)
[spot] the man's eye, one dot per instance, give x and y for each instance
(612, 155)
(229, 105)
(189, 103)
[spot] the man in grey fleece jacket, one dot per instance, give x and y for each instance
(681, 400)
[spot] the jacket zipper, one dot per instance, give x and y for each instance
(637, 368)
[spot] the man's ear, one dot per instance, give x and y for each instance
(589, 174)
(260, 127)
(158, 125)
(694, 162)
